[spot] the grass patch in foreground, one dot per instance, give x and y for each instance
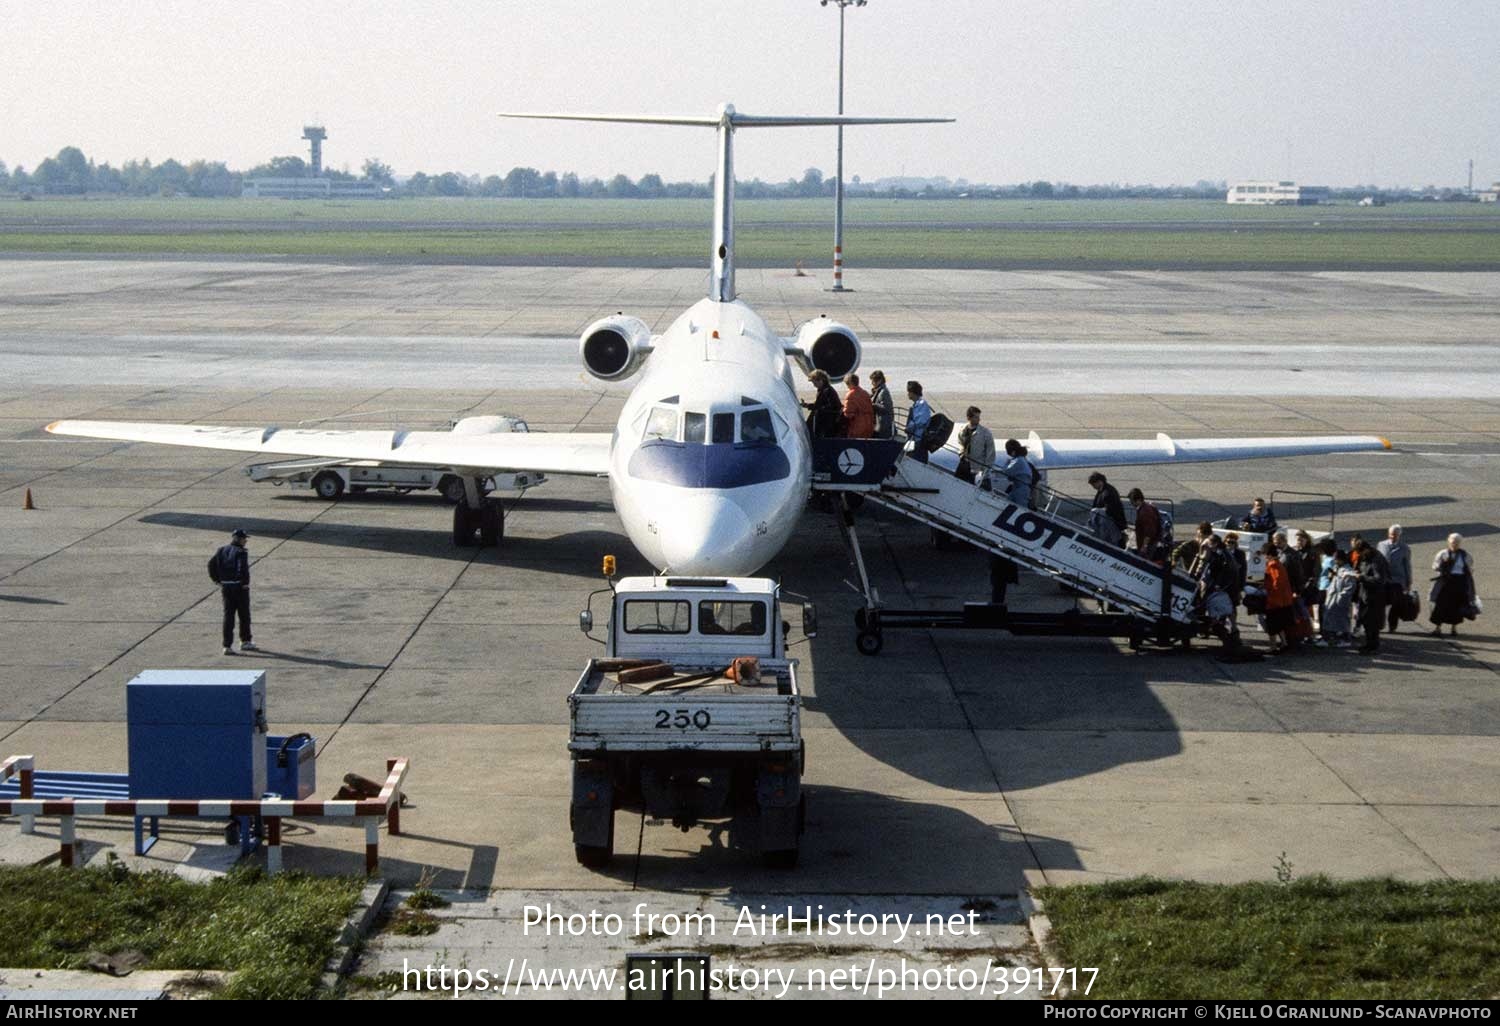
(274, 933)
(1311, 938)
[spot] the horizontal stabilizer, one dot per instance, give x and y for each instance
(727, 114)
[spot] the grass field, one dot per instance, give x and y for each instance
(274, 933)
(905, 233)
(1306, 939)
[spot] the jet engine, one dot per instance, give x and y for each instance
(828, 346)
(614, 347)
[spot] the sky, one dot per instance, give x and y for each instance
(1137, 91)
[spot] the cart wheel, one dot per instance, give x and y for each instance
(452, 488)
(328, 485)
(869, 642)
(1135, 642)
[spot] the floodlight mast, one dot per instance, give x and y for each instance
(838, 175)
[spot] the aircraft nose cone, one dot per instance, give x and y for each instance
(708, 536)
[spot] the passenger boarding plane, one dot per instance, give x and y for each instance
(710, 463)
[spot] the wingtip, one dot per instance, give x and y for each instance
(1385, 442)
(52, 428)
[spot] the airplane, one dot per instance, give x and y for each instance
(710, 462)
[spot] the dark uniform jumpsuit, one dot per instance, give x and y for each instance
(234, 586)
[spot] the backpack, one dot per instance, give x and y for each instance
(938, 430)
(1165, 519)
(213, 568)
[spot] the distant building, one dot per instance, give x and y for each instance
(310, 188)
(1492, 195)
(1278, 194)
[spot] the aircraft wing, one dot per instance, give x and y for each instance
(1066, 453)
(549, 453)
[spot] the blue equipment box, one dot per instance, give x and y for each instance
(196, 734)
(291, 766)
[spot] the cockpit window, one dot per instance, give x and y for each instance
(756, 427)
(723, 425)
(662, 424)
(695, 429)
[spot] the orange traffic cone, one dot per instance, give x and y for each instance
(27, 503)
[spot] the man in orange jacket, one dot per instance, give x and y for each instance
(858, 410)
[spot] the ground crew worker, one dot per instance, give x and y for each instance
(233, 562)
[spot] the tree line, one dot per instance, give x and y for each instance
(71, 173)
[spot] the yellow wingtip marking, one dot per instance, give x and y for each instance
(1385, 442)
(53, 426)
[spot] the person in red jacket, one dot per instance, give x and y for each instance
(1281, 607)
(858, 410)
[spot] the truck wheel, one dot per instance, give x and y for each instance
(869, 643)
(328, 485)
(597, 856)
(451, 486)
(786, 858)
(463, 526)
(491, 523)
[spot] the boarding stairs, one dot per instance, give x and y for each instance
(1053, 540)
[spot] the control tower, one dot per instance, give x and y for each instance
(315, 134)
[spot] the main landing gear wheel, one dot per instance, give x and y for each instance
(328, 485)
(484, 526)
(869, 642)
(491, 523)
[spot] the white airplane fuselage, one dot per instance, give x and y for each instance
(710, 463)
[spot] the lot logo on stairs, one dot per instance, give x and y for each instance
(851, 462)
(1029, 527)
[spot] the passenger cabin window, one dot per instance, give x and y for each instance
(723, 425)
(695, 429)
(662, 424)
(743, 618)
(647, 616)
(756, 427)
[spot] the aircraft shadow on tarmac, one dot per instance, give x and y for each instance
(572, 553)
(31, 600)
(387, 500)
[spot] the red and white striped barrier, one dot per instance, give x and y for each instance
(367, 811)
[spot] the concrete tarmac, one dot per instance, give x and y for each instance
(952, 764)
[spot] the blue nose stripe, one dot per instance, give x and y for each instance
(709, 466)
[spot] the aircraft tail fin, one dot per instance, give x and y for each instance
(726, 120)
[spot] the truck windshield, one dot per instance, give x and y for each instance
(745, 618)
(649, 616)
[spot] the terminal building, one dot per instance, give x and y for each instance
(1278, 194)
(310, 188)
